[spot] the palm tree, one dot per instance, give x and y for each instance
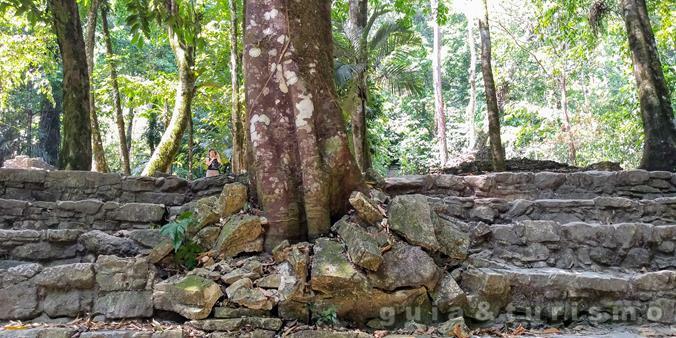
(377, 57)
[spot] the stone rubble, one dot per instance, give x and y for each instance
(463, 250)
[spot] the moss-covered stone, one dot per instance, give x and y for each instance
(192, 297)
(411, 217)
(361, 246)
(240, 233)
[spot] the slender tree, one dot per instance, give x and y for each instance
(76, 147)
(471, 105)
(99, 162)
(115, 91)
(304, 171)
(182, 29)
(356, 31)
(439, 109)
(493, 114)
(659, 147)
(238, 133)
(49, 130)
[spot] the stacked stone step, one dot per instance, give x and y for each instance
(74, 243)
(559, 247)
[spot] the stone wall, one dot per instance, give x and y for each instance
(543, 185)
(579, 245)
(111, 288)
(602, 210)
(39, 185)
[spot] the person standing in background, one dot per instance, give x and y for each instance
(213, 163)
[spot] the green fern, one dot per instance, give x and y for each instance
(177, 229)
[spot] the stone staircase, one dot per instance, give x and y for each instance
(594, 247)
(556, 248)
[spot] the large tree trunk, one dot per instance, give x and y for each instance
(471, 105)
(99, 162)
(76, 149)
(356, 24)
(304, 171)
(659, 147)
(166, 150)
(50, 131)
(439, 113)
(117, 105)
(493, 114)
(238, 134)
(567, 126)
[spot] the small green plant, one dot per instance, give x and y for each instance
(177, 229)
(187, 254)
(327, 317)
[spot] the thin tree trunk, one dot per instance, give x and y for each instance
(238, 136)
(493, 114)
(117, 105)
(439, 113)
(471, 105)
(572, 153)
(76, 148)
(29, 134)
(356, 24)
(166, 150)
(659, 147)
(50, 130)
(130, 128)
(191, 144)
(99, 162)
(304, 171)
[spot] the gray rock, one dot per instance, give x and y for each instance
(361, 246)
(123, 274)
(366, 209)
(637, 258)
(453, 242)
(73, 303)
(138, 213)
(19, 301)
(332, 271)
(240, 233)
(101, 243)
(405, 266)
(447, 295)
(233, 324)
(192, 297)
(148, 238)
(229, 312)
(233, 198)
(540, 231)
(410, 216)
(69, 276)
(124, 304)
(243, 293)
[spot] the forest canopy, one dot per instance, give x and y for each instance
(166, 81)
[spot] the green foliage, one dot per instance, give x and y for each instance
(186, 255)
(327, 317)
(177, 228)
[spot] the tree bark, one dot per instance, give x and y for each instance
(238, 135)
(356, 25)
(130, 128)
(567, 127)
(99, 162)
(76, 148)
(29, 134)
(50, 131)
(191, 144)
(117, 105)
(439, 113)
(659, 147)
(304, 171)
(493, 114)
(166, 150)
(471, 105)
